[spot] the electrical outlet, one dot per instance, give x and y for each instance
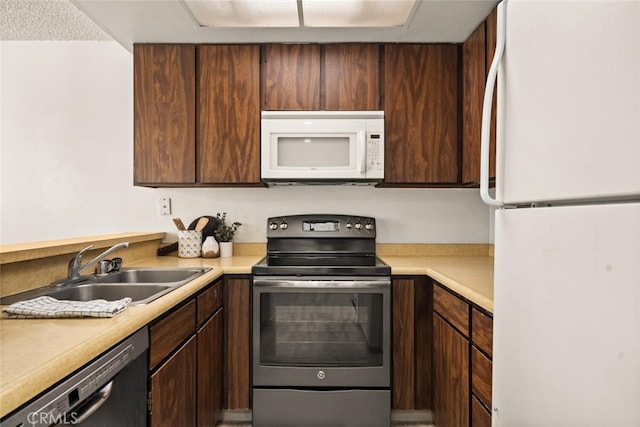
(165, 206)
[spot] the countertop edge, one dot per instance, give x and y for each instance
(45, 249)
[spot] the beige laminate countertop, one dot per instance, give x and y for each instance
(35, 353)
(469, 276)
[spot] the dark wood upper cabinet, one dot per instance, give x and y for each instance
(477, 54)
(473, 82)
(292, 77)
(228, 114)
(164, 108)
(352, 77)
(342, 76)
(421, 118)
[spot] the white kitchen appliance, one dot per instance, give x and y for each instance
(567, 229)
(322, 146)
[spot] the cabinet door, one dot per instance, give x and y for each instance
(412, 344)
(403, 327)
(421, 119)
(237, 347)
(473, 82)
(292, 77)
(451, 375)
(164, 108)
(210, 371)
(228, 114)
(173, 389)
(352, 76)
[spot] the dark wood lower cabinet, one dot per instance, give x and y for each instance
(172, 392)
(210, 372)
(403, 386)
(186, 349)
(480, 416)
(462, 348)
(412, 311)
(451, 375)
(237, 292)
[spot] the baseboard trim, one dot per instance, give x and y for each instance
(408, 416)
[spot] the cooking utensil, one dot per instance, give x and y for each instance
(202, 222)
(179, 224)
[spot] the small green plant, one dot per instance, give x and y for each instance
(225, 232)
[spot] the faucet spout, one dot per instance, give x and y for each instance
(76, 267)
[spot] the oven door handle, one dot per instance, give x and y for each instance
(321, 284)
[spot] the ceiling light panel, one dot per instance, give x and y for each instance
(244, 13)
(356, 13)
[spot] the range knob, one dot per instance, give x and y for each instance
(349, 225)
(358, 226)
(273, 226)
(284, 226)
(368, 226)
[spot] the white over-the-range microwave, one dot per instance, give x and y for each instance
(322, 147)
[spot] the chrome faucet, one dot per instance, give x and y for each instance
(75, 267)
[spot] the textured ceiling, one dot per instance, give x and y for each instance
(46, 20)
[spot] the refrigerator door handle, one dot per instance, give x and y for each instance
(486, 108)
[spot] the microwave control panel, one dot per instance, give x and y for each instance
(375, 153)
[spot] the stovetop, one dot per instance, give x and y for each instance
(321, 244)
(376, 268)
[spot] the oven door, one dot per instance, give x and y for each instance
(321, 332)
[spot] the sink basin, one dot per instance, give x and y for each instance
(140, 294)
(150, 275)
(142, 285)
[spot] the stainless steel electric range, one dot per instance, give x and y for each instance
(321, 325)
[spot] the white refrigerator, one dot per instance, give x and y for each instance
(567, 226)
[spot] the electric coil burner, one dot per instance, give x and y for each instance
(321, 325)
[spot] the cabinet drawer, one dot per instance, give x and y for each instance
(481, 376)
(169, 332)
(209, 301)
(482, 331)
(451, 308)
(480, 417)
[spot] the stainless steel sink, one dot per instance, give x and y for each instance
(140, 294)
(150, 275)
(142, 285)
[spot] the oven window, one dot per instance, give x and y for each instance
(321, 329)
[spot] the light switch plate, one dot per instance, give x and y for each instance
(165, 206)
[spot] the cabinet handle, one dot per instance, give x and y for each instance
(486, 109)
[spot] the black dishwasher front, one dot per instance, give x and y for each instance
(109, 391)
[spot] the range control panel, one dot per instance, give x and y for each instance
(321, 225)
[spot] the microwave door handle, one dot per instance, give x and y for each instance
(362, 151)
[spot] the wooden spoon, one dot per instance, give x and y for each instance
(202, 223)
(179, 224)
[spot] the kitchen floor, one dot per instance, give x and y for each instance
(400, 419)
(394, 424)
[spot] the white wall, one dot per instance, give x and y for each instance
(66, 159)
